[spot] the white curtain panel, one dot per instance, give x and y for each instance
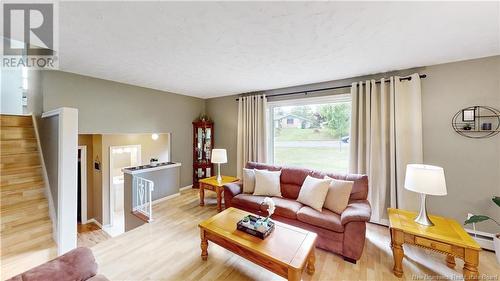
(252, 139)
(386, 135)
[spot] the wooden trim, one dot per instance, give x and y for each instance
(83, 183)
(141, 216)
(93, 220)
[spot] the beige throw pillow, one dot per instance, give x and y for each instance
(313, 192)
(338, 195)
(249, 180)
(267, 183)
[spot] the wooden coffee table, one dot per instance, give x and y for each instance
(286, 251)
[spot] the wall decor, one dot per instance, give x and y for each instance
(468, 115)
(477, 122)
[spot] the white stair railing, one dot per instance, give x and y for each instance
(143, 193)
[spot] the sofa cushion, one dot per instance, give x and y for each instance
(287, 208)
(292, 178)
(291, 181)
(249, 180)
(313, 192)
(248, 201)
(338, 195)
(267, 183)
(325, 219)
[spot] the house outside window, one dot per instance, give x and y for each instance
(311, 133)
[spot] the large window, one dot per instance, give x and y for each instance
(311, 133)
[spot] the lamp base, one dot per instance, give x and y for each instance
(422, 217)
(219, 177)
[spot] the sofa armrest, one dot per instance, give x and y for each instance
(234, 188)
(78, 264)
(231, 190)
(358, 210)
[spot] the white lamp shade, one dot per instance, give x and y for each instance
(426, 179)
(219, 156)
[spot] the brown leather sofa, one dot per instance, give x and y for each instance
(343, 234)
(78, 264)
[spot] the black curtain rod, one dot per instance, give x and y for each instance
(334, 88)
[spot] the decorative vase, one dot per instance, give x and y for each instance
(496, 242)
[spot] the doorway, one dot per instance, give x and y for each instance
(119, 157)
(82, 185)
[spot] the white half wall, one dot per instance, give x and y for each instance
(66, 177)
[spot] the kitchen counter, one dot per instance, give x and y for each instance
(150, 168)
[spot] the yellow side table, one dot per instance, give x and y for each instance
(213, 185)
(447, 236)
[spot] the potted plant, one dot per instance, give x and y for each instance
(480, 218)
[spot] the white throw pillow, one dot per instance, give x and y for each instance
(267, 183)
(249, 180)
(338, 195)
(313, 192)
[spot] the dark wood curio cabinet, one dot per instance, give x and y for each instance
(203, 142)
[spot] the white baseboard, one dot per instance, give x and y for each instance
(166, 198)
(96, 222)
(186, 187)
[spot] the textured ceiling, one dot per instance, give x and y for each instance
(208, 49)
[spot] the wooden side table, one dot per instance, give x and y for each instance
(446, 237)
(213, 185)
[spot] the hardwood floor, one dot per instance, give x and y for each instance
(169, 249)
(90, 234)
(14, 264)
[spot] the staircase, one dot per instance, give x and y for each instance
(24, 211)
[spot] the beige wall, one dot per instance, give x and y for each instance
(107, 107)
(86, 140)
(224, 112)
(472, 166)
(97, 176)
(49, 142)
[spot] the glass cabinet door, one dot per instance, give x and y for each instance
(208, 149)
(199, 144)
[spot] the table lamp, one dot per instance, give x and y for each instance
(219, 156)
(425, 179)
